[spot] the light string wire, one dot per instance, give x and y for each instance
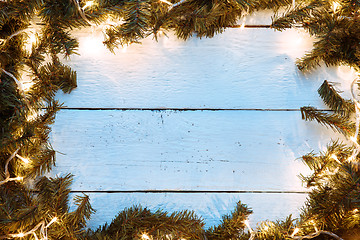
(82, 14)
(351, 159)
(171, 5)
(43, 231)
(7, 173)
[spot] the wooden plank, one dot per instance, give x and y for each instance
(174, 150)
(211, 207)
(250, 68)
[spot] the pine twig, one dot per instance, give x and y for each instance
(313, 235)
(332, 98)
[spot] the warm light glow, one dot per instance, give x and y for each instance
(145, 236)
(25, 160)
(355, 211)
(351, 158)
(335, 6)
(18, 178)
(32, 116)
(51, 222)
(88, 4)
(243, 24)
(26, 86)
(333, 156)
(313, 223)
(20, 235)
(354, 139)
(32, 38)
(296, 230)
(124, 48)
(247, 224)
(167, 2)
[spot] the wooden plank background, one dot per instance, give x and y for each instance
(195, 125)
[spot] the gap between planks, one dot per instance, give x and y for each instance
(189, 191)
(182, 109)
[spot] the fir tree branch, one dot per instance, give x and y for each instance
(318, 233)
(332, 121)
(332, 98)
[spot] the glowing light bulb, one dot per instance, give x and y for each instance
(32, 116)
(25, 160)
(20, 235)
(350, 159)
(335, 6)
(19, 178)
(313, 223)
(333, 156)
(247, 224)
(296, 230)
(51, 222)
(167, 2)
(242, 26)
(88, 4)
(124, 49)
(27, 85)
(354, 139)
(32, 39)
(145, 236)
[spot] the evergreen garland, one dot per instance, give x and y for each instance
(36, 207)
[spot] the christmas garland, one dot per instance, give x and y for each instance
(36, 207)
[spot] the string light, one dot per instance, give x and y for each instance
(167, 2)
(247, 224)
(145, 236)
(313, 223)
(252, 233)
(124, 49)
(172, 5)
(335, 6)
(7, 173)
(81, 11)
(25, 160)
(296, 230)
(4, 41)
(243, 24)
(88, 4)
(354, 138)
(43, 231)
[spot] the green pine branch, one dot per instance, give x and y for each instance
(232, 226)
(332, 98)
(135, 26)
(333, 121)
(133, 222)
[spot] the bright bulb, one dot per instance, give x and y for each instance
(354, 139)
(335, 6)
(167, 2)
(25, 160)
(145, 236)
(243, 24)
(296, 230)
(51, 222)
(247, 224)
(88, 4)
(19, 178)
(20, 235)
